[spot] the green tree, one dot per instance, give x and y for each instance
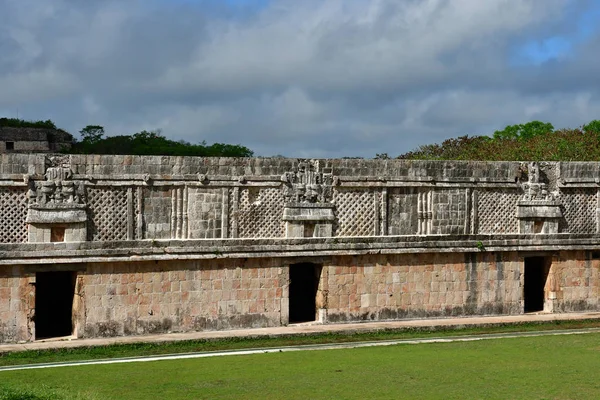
(592, 126)
(151, 143)
(92, 133)
(532, 141)
(19, 123)
(524, 131)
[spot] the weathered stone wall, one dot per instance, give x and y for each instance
(135, 198)
(423, 285)
(403, 211)
(574, 281)
(130, 298)
(29, 140)
(450, 210)
(177, 244)
(17, 302)
(206, 214)
(26, 147)
(139, 298)
(159, 211)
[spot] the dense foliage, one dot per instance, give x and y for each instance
(19, 123)
(150, 143)
(141, 143)
(532, 141)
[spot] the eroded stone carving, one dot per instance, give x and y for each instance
(56, 202)
(203, 178)
(534, 188)
(58, 188)
(538, 211)
(308, 191)
(307, 184)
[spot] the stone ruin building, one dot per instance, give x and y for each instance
(33, 140)
(125, 245)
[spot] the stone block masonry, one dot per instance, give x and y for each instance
(423, 286)
(128, 245)
(149, 297)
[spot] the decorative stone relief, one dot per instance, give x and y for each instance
(258, 212)
(307, 184)
(425, 213)
(534, 189)
(308, 210)
(580, 209)
(58, 188)
(538, 211)
(57, 211)
(355, 209)
(109, 213)
(13, 212)
(496, 211)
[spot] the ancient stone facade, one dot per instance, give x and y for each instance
(122, 245)
(33, 140)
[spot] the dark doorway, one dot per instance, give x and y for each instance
(304, 282)
(536, 272)
(54, 293)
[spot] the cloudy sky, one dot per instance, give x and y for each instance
(301, 78)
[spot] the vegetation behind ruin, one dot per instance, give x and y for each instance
(142, 143)
(534, 140)
(531, 141)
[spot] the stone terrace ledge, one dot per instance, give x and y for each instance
(77, 252)
(76, 208)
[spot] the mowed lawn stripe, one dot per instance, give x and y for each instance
(326, 346)
(138, 349)
(555, 367)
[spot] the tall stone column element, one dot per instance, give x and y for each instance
(57, 210)
(538, 211)
(308, 210)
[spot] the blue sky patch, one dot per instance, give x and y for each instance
(539, 50)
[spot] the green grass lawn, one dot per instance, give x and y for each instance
(549, 367)
(188, 346)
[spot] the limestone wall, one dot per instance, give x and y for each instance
(131, 298)
(139, 298)
(28, 140)
(157, 198)
(423, 285)
(162, 244)
(574, 282)
(17, 304)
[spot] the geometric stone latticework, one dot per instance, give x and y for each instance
(108, 213)
(13, 211)
(497, 211)
(579, 210)
(260, 212)
(355, 211)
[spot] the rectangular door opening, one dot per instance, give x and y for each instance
(304, 283)
(54, 292)
(536, 273)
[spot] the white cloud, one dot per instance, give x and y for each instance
(42, 84)
(306, 78)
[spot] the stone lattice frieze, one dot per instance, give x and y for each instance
(120, 198)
